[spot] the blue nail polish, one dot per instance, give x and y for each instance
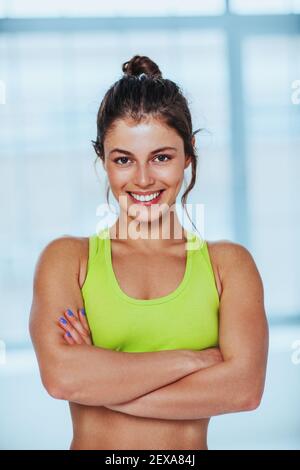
(63, 320)
(69, 334)
(70, 313)
(82, 311)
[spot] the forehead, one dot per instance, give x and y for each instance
(149, 132)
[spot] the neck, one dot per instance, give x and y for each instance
(155, 235)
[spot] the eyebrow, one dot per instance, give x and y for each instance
(152, 152)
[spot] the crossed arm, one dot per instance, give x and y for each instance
(233, 384)
(236, 383)
(83, 373)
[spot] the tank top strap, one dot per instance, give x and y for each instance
(93, 249)
(206, 256)
(204, 253)
(95, 243)
(199, 245)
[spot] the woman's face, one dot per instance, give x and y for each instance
(144, 158)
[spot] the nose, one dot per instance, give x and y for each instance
(143, 177)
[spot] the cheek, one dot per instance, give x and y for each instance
(117, 178)
(171, 175)
(174, 178)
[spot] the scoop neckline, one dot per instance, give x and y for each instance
(157, 300)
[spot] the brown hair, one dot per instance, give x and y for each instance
(140, 92)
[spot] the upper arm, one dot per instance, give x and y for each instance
(243, 333)
(55, 288)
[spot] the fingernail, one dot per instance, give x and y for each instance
(70, 313)
(82, 311)
(63, 320)
(69, 334)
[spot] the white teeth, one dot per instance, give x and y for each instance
(145, 198)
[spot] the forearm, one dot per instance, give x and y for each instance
(212, 391)
(95, 376)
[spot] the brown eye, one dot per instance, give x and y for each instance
(121, 158)
(163, 155)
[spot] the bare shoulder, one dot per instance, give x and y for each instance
(230, 259)
(55, 289)
(227, 250)
(56, 278)
(64, 252)
(65, 247)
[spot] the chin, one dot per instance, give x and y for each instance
(149, 214)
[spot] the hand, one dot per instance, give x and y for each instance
(76, 327)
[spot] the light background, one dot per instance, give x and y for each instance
(236, 63)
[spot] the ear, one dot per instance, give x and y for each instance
(189, 159)
(187, 162)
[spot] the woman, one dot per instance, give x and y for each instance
(147, 336)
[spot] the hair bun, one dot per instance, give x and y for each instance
(141, 65)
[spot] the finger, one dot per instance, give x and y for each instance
(78, 326)
(68, 338)
(83, 319)
(63, 323)
(84, 323)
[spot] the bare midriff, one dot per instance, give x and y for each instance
(97, 427)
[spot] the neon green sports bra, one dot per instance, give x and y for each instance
(187, 318)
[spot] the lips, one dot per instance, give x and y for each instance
(146, 203)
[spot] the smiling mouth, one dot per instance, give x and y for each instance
(147, 200)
